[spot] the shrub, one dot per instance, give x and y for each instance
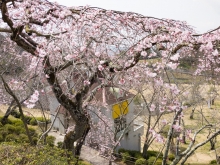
(33, 121)
(10, 128)
(213, 162)
(141, 161)
(50, 140)
(121, 150)
(151, 160)
(23, 138)
(32, 132)
(60, 144)
(154, 154)
(35, 139)
(18, 123)
(135, 154)
(3, 132)
(44, 155)
(11, 138)
(171, 157)
(1, 138)
(27, 119)
(125, 156)
(16, 114)
(19, 130)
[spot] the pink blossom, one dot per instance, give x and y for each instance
(172, 65)
(215, 53)
(177, 128)
(164, 121)
(100, 67)
(144, 53)
(122, 81)
(150, 74)
(175, 57)
(69, 57)
(86, 82)
(209, 45)
(152, 107)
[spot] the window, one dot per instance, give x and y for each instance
(120, 124)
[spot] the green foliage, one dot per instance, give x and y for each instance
(16, 114)
(60, 144)
(171, 157)
(10, 128)
(42, 119)
(23, 138)
(1, 138)
(18, 123)
(141, 161)
(154, 154)
(121, 150)
(50, 140)
(33, 121)
(133, 155)
(213, 162)
(151, 160)
(11, 138)
(32, 132)
(27, 119)
(34, 140)
(28, 155)
(15, 132)
(126, 156)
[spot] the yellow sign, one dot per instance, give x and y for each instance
(119, 109)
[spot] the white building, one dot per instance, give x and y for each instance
(121, 112)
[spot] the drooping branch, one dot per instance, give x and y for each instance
(199, 145)
(8, 89)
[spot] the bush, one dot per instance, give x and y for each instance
(135, 154)
(151, 160)
(27, 119)
(126, 156)
(32, 132)
(60, 144)
(19, 130)
(33, 121)
(11, 138)
(171, 157)
(213, 162)
(50, 140)
(3, 132)
(18, 123)
(23, 138)
(154, 154)
(10, 128)
(141, 161)
(1, 138)
(121, 150)
(35, 139)
(16, 114)
(27, 154)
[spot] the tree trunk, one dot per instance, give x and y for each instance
(192, 113)
(145, 148)
(78, 134)
(212, 144)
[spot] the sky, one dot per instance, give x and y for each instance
(202, 15)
